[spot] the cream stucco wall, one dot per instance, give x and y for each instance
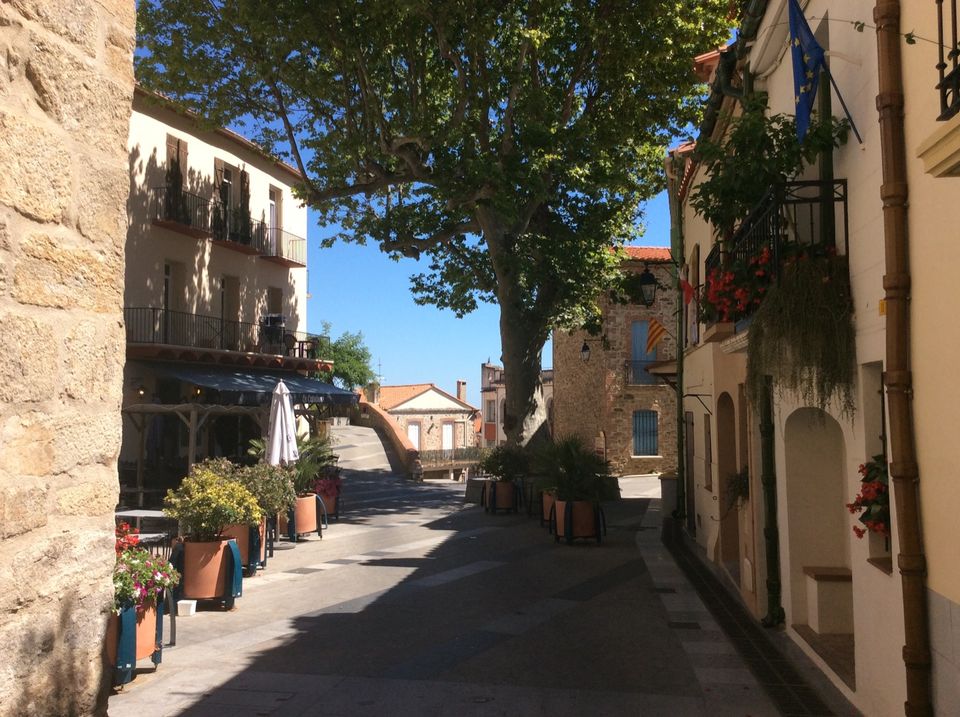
(198, 264)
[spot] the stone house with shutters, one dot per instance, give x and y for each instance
(612, 392)
(493, 397)
(430, 417)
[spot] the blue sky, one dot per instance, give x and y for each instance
(357, 288)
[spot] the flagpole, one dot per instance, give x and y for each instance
(853, 125)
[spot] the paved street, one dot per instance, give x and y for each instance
(415, 604)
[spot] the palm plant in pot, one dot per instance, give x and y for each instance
(578, 475)
(507, 464)
(208, 501)
(316, 455)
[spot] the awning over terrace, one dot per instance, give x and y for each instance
(241, 387)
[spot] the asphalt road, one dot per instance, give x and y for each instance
(416, 604)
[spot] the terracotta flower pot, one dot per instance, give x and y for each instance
(501, 495)
(548, 500)
(240, 533)
(584, 520)
(305, 513)
(204, 569)
(146, 631)
(329, 503)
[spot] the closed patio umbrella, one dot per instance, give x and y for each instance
(282, 431)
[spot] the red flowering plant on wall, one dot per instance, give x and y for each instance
(873, 500)
(732, 292)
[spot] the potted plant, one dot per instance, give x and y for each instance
(873, 500)
(209, 500)
(578, 477)
(272, 486)
(315, 456)
(139, 580)
(507, 463)
(327, 487)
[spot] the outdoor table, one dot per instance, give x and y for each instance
(138, 514)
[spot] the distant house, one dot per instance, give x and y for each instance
(493, 395)
(432, 419)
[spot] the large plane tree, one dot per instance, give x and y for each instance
(508, 143)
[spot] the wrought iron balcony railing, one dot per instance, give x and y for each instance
(179, 209)
(949, 65)
(805, 213)
(637, 374)
(194, 215)
(148, 325)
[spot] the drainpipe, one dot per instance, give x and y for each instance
(771, 530)
(904, 471)
(678, 252)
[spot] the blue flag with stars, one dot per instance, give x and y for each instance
(807, 62)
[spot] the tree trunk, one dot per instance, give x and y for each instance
(522, 346)
(522, 336)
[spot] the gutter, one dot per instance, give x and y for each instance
(904, 471)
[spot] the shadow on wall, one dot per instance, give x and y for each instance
(75, 679)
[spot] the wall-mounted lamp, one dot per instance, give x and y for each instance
(141, 390)
(585, 349)
(648, 287)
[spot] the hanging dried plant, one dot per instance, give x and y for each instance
(802, 334)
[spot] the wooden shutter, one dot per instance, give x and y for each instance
(172, 149)
(182, 156)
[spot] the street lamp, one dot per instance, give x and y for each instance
(584, 352)
(648, 287)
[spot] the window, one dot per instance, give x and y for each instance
(640, 358)
(645, 430)
(490, 412)
(274, 300)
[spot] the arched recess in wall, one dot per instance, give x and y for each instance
(818, 525)
(726, 469)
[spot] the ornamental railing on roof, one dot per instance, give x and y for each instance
(949, 65)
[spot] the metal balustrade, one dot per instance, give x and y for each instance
(150, 325)
(948, 66)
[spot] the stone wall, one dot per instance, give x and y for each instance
(66, 83)
(595, 399)
(431, 428)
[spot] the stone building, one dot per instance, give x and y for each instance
(432, 419)
(610, 390)
(65, 94)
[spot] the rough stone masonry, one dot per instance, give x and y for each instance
(66, 85)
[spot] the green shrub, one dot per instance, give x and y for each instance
(507, 462)
(210, 499)
(272, 486)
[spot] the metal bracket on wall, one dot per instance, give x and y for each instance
(700, 397)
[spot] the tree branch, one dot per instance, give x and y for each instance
(413, 247)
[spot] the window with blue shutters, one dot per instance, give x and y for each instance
(640, 359)
(645, 433)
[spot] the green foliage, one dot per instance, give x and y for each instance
(139, 577)
(351, 360)
(210, 499)
(510, 144)
(272, 486)
(803, 333)
(737, 488)
(577, 471)
(316, 456)
(756, 152)
(507, 462)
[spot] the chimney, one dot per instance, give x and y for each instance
(462, 390)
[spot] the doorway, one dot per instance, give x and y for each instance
(728, 498)
(413, 433)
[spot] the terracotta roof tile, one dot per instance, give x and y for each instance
(391, 396)
(648, 253)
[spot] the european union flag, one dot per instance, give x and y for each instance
(807, 62)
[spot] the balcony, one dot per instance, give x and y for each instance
(949, 65)
(791, 218)
(165, 334)
(284, 248)
(180, 211)
(230, 228)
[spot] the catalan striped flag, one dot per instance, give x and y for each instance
(655, 332)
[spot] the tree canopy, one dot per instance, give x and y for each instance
(351, 360)
(511, 143)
